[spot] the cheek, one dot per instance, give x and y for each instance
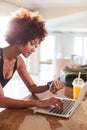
(27, 47)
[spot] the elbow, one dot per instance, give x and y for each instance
(2, 104)
(33, 89)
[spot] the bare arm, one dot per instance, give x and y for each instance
(14, 103)
(6, 102)
(32, 87)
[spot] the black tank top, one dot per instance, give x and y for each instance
(4, 81)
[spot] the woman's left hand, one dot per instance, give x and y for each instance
(55, 86)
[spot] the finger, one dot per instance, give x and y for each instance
(58, 103)
(61, 84)
(58, 84)
(58, 106)
(54, 90)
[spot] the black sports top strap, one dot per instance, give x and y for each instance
(4, 81)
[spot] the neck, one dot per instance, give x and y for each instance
(10, 52)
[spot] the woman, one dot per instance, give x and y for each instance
(24, 34)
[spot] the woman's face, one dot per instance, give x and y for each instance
(29, 48)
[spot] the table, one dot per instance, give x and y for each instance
(26, 119)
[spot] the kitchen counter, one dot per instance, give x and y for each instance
(26, 119)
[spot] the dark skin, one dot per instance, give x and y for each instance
(24, 34)
(9, 60)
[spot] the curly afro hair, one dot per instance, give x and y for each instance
(25, 26)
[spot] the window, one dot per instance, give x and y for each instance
(85, 47)
(80, 46)
(46, 48)
(47, 53)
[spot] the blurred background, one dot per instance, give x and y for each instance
(66, 43)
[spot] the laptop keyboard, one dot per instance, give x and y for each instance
(67, 105)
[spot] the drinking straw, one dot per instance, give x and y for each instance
(79, 74)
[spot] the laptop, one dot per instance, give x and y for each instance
(69, 106)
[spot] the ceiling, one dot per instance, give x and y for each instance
(47, 3)
(76, 22)
(59, 2)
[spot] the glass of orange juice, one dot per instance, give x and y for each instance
(77, 86)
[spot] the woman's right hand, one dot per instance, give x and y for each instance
(56, 102)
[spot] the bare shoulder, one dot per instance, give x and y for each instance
(20, 62)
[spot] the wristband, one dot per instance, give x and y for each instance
(49, 84)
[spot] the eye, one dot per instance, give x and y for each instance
(37, 45)
(32, 43)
